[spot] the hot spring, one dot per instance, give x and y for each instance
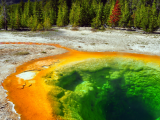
(87, 86)
(106, 89)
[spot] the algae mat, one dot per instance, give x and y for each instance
(87, 86)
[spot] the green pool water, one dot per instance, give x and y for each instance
(106, 89)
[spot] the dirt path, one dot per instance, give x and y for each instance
(13, 55)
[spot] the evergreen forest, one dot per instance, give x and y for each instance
(42, 14)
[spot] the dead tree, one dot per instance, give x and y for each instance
(4, 13)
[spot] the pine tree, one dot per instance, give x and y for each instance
(52, 16)
(1, 18)
(14, 21)
(62, 19)
(116, 13)
(21, 4)
(49, 11)
(40, 27)
(46, 15)
(24, 17)
(137, 18)
(27, 14)
(145, 13)
(125, 15)
(35, 23)
(35, 8)
(139, 15)
(17, 17)
(44, 3)
(74, 16)
(106, 12)
(35, 16)
(29, 8)
(47, 23)
(97, 21)
(23, 20)
(4, 13)
(85, 13)
(55, 9)
(158, 20)
(39, 12)
(110, 13)
(149, 18)
(153, 25)
(93, 9)
(32, 23)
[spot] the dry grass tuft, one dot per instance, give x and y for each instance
(93, 43)
(94, 30)
(22, 53)
(43, 52)
(66, 28)
(74, 29)
(6, 60)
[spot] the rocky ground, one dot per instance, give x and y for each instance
(82, 39)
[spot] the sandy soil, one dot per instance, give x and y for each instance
(84, 39)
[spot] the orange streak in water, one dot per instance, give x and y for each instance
(32, 102)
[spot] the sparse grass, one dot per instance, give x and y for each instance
(66, 28)
(36, 33)
(74, 29)
(101, 30)
(144, 43)
(5, 30)
(130, 49)
(22, 53)
(129, 32)
(94, 30)
(41, 34)
(51, 38)
(25, 34)
(55, 30)
(54, 27)
(155, 36)
(6, 60)
(152, 35)
(83, 34)
(93, 43)
(50, 48)
(43, 52)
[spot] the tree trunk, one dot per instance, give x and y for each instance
(4, 13)
(6, 24)
(5, 21)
